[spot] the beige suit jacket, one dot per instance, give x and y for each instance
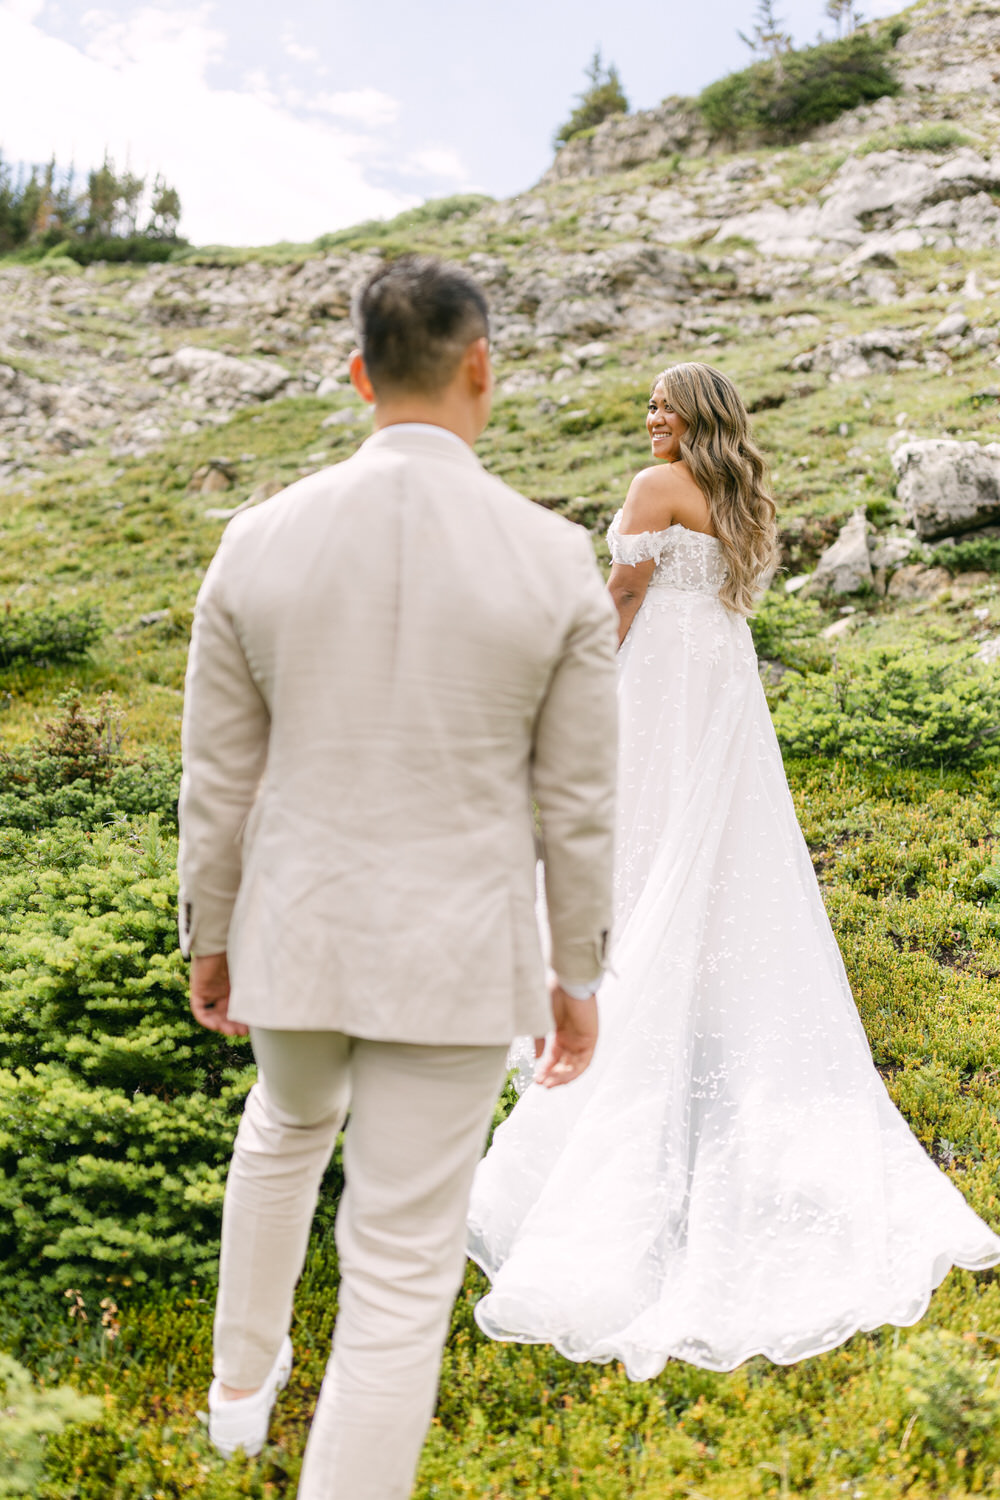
(390, 661)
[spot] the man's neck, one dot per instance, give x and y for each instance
(451, 416)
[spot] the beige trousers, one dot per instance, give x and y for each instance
(418, 1123)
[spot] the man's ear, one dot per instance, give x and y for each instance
(477, 365)
(359, 377)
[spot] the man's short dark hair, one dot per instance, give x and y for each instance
(415, 319)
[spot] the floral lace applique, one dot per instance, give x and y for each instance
(688, 560)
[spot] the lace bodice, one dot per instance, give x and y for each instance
(685, 559)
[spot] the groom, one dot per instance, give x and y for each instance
(391, 662)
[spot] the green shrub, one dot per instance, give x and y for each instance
(31, 1416)
(47, 635)
(117, 1112)
(603, 96)
(978, 554)
(386, 232)
(953, 1394)
(786, 96)
(136, 249)
(785, 628)
(938, 136)
(77, 770)
(44, 209)
(906, 709)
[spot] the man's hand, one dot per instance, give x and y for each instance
(572, 1046)
(210, 994)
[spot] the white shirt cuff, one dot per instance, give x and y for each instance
(580, 991)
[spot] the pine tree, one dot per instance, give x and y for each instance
(164, 210)
(102, 200)
(604, 96)
(845, 14)
(768, 39)
(130, 191)
(44, 206)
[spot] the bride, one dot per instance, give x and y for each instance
(730, 1177)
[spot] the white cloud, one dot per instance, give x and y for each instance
(438, 161)
(247, 169)
(256, 82)
(367, 106)
(298, 53)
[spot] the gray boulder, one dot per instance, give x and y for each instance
(844, 568)
(891, 192)
(948, 487)
(624, 141)
(888, 553)
(953, 326)
(588, 317)
(878, 351)
(916, 581)
(221, 378)
(218, 474)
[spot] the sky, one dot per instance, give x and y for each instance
(287, 119)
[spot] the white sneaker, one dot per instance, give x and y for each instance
(243, 1423)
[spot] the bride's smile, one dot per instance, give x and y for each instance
(665, 427)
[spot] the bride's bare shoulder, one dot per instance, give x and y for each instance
(649, 502)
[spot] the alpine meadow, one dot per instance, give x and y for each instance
(824, 227)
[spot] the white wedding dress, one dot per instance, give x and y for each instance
(729, 1177)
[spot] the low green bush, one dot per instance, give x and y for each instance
(785, 628)
(117, 1112)
(901, 708)
(938, 136)
(77, 769)
(978, 554)
(953, 1393)
(788, 95)
(48, 635)
(135, 249)
(31, 1417)
(908, 1414)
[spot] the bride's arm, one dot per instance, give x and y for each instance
(627, 587)
(645, 512)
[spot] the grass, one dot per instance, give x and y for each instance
(934, 137)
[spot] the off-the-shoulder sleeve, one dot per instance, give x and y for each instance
(645, 546)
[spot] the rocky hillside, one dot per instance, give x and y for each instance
(849, 283)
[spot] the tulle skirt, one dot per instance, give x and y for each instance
(729, 1177)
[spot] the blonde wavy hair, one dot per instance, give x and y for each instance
(729, 469)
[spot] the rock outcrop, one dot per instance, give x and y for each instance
(918, 582)
(948, 487)
(877, 352)
(886, 202)
(588, 269)
(219, 378)
(625, 141)
(844, 568)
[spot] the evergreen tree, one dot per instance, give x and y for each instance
(603, 96)
(130, 191)
(768, 39)
(845, 14)
(164, 211)
(41, 207)
(102, 200)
